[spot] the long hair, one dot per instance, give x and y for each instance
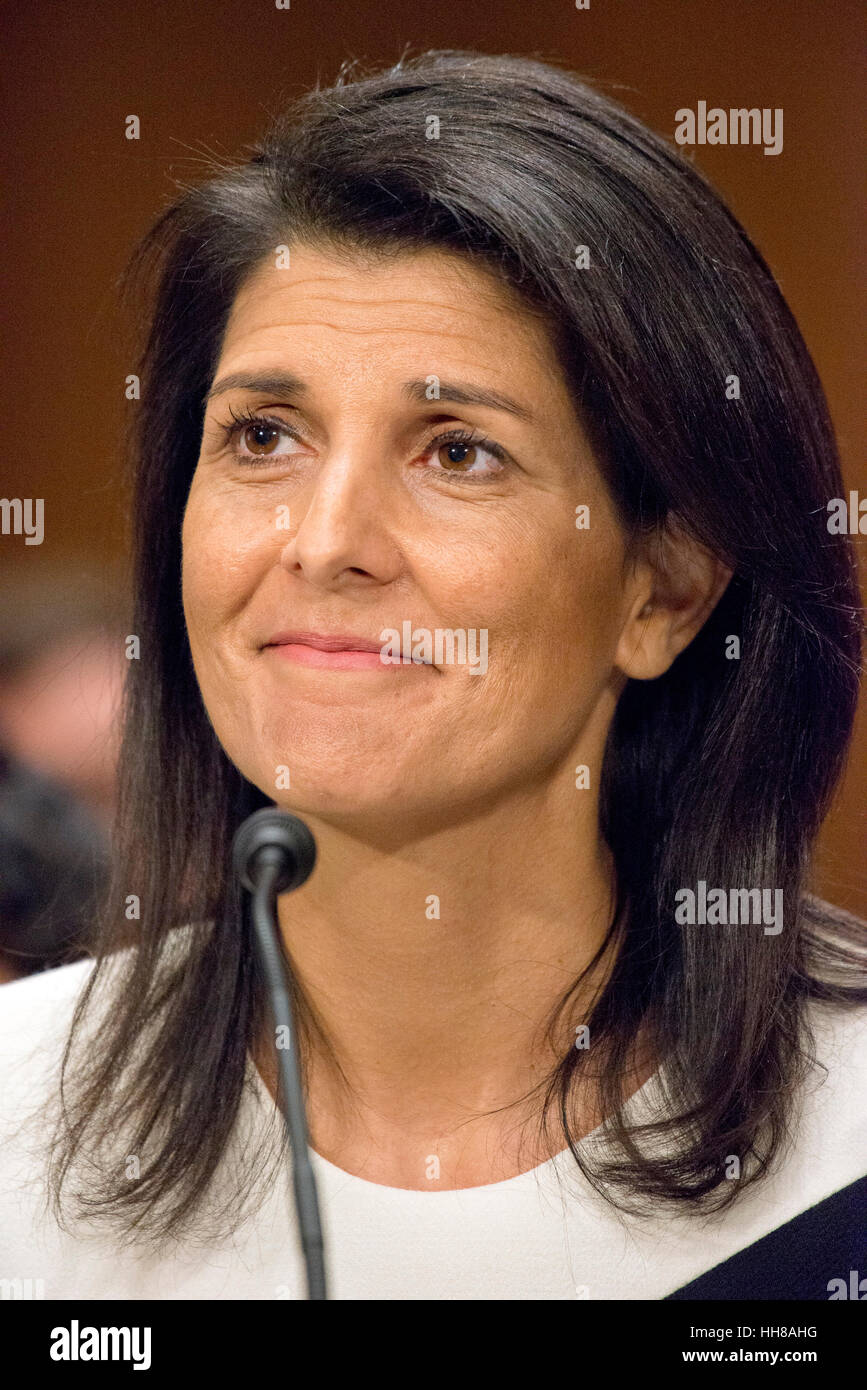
(720, 770)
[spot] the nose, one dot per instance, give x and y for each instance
(345, 534)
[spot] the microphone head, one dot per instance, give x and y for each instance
(275, 829)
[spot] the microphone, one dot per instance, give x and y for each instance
(274, 852)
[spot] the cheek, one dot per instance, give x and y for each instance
(215, 581)
(587, 595)
(550, 595)
(559, 625)
(219, 557)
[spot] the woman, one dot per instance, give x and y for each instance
(467, 368)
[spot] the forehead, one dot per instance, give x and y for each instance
(417, 303)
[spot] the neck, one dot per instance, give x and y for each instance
(430, 971)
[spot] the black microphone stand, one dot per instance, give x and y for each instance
(264, 872)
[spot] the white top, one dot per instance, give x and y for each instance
(527, 1238)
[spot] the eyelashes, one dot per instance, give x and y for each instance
(458, 437)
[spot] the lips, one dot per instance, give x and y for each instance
(330, 642)
(332, 651)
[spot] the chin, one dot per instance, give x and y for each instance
(336, 795)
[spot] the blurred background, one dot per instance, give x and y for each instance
(203, 78)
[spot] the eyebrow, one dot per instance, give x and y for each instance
(284, 383)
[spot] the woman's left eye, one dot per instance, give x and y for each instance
(459, 454)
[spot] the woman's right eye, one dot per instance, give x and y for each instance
(255, 439)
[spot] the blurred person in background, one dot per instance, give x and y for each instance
(61, 668)
(53, 863)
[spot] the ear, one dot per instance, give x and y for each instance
(676, 586)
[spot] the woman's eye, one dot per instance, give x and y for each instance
(466, 458)
(259, 439)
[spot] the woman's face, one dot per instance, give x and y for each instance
(341, 516)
